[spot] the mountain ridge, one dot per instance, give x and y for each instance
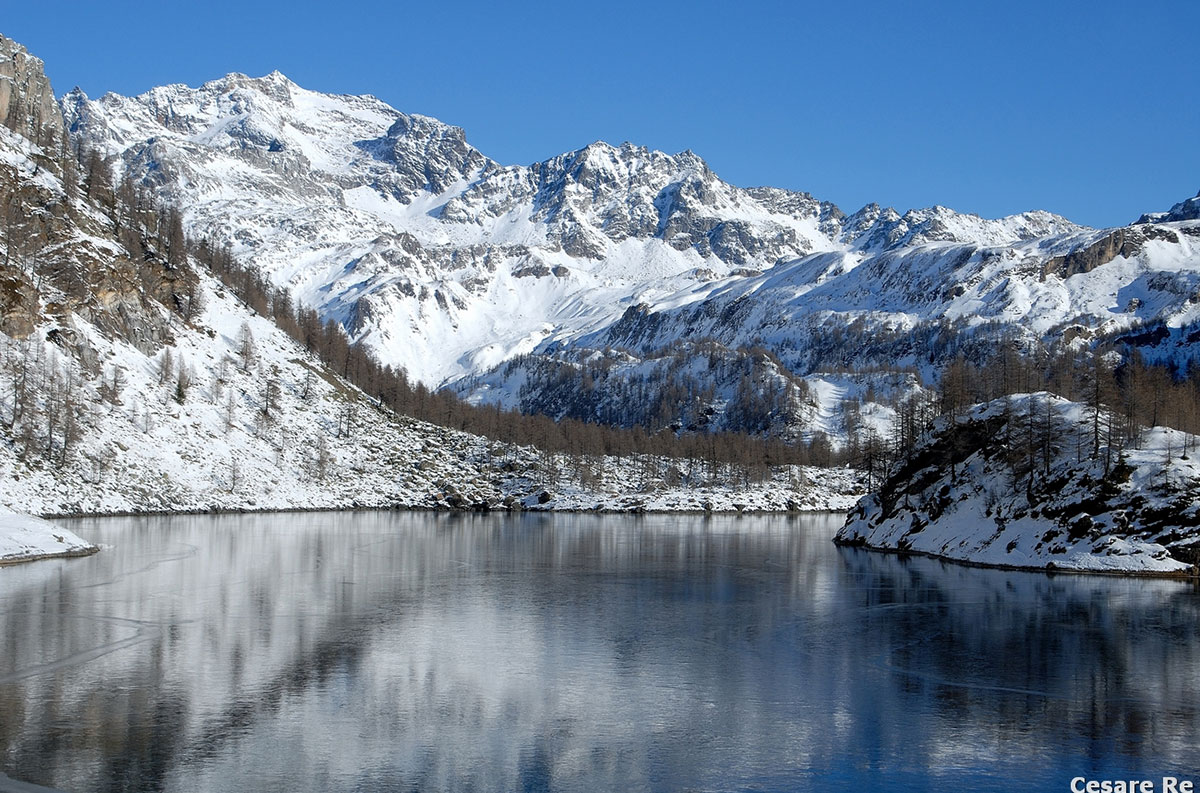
(447, 263)
(143, 371)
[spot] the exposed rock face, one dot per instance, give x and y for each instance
(1125, 242)
(604, 194)
(27, 103)
(60, 260)
(1184, 210)
(59, 257)
(1019, 483)
(428, 156)
(18, 303)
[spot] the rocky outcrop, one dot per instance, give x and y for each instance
(878, 229)
(1021, 483)
(18, 303)
(1126, 242)
(59, 253)
(1184, 210)
(428, 156)
(27, 103)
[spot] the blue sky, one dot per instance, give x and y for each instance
(1088, 109)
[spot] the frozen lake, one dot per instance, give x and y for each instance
(376, 651)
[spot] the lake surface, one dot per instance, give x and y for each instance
(433, 652)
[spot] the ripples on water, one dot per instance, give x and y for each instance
(425, 652)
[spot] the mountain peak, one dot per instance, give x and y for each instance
(440, 260)
(13, 50)
(600, 154)
(275, 85)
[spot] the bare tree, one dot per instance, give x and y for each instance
(229, 414)
(246, 350)
(166, 366)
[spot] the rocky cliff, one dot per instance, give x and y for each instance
(27, 103)
(67, 252)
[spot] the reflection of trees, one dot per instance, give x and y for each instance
(1108, 664)
(643, 598)
(133, 717)
(664, 651)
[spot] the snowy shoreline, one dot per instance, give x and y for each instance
(36, 538)
(26, 538)
(539, 509)
(973, 493)
(1049, 569)
(12, 560)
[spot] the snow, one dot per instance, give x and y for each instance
(789, 489)
(149, 452)
(19, 153)
(25, 538)
(334, 198)
(453, 282)
(976, 514)
(310, 221)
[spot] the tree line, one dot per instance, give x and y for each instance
(391, 388)
(1123, 390)
(1122, 393)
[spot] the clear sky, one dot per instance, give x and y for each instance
(1088, 109)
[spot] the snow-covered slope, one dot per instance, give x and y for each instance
(132, 379)
(691, 386)
(448, 264)
(1091, 282)
(912, 307)
(1035, 481)
(242, 417)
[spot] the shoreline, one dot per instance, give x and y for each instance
(1049, 569)
(219, 511)
(360, 508)
(418, 508)
(6, 561)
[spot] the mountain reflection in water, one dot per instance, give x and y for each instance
(416, 651)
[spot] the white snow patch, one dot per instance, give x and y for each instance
(25, 538)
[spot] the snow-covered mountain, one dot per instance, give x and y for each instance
(132, 378)
(1184, 210)
(449, 264)
(503, 281)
